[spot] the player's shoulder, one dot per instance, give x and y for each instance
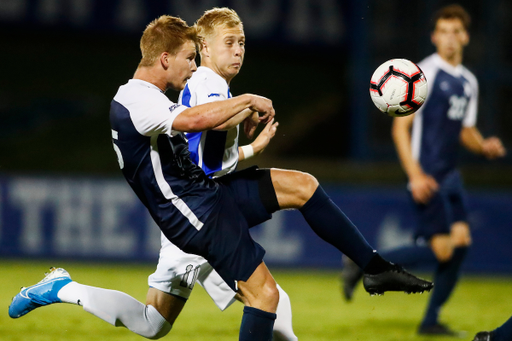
(205, 79)
(470, 76)
(140, 93)
(430, 65)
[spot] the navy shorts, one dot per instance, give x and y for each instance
(447, 206)
(247, 198)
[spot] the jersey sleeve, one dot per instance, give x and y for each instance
(210, 91)
(156, 117)
(472, 107)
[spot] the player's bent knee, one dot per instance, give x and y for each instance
(460, 235)
(166, 328)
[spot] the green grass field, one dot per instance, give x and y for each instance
(319, 313)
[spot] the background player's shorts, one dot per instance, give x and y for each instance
(447, 206)
(224, 239)
(177, 272)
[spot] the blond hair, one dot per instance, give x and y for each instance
(165, 34)
(216, 17)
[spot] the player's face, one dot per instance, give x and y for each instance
(226, 50)
(181, 66)
(450, 37)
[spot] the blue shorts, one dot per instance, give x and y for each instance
(247, 198)
(447, 206)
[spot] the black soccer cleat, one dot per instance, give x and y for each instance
(351, 275)
(395, 279)
(439, 329)
(484, 336)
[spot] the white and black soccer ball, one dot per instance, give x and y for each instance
(398, 87)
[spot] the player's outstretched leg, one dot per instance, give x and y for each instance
(40, 294)
(332, 225)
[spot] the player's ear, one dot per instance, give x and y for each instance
(164, 60)
(466, 38)
(205, 49)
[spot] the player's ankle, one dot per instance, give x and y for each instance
(377, 265)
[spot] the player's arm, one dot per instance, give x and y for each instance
(235, 120)
(260, 143)
(472, 140)
(210, 115)
(422, 185)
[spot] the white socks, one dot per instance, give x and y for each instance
(117, 308)
(283, 330)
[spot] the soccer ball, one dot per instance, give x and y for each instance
(398, 87)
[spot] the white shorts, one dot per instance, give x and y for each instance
(177, 272)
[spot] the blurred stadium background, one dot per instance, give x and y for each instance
(62, 195)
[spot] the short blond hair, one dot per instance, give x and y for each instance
(165, 34)
(216, 17)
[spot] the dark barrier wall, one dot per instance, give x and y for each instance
(63, 61)
(101, 219)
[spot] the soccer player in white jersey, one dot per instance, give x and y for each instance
(200, 215)
(217, 153)
(429, 158)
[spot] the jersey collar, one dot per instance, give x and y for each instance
(140, 82)
(455, 71)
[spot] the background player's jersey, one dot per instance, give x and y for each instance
(216, 152)
(451, 104)
(155, 160)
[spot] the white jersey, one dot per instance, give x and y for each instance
(216, 152)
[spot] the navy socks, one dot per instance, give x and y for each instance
(445, 278)
(410, 256)
(504, 333)
(333, 226)
(257, 325)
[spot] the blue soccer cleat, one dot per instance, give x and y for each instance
(40, 294)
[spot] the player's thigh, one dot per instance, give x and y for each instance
(293, 188)
(460, 234)
(260, 290)
(168, 306)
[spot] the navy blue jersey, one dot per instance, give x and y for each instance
(155, 160)
(451, 104)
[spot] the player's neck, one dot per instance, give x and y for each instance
(215, 69)
(454, 59)
(149, 75)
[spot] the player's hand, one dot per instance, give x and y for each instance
(492, 148)
(250, 125)
(423, 187)
(263, 106)
(263, 139)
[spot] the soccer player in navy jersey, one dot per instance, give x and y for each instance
(200, 215)
(502, 333)
(428, 156)
(217, 152)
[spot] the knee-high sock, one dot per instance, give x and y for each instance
(256, 325)
(333, 226)
(410, 255)
(117, 308)
(283, 328)
(504, 333)
(445, 279)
